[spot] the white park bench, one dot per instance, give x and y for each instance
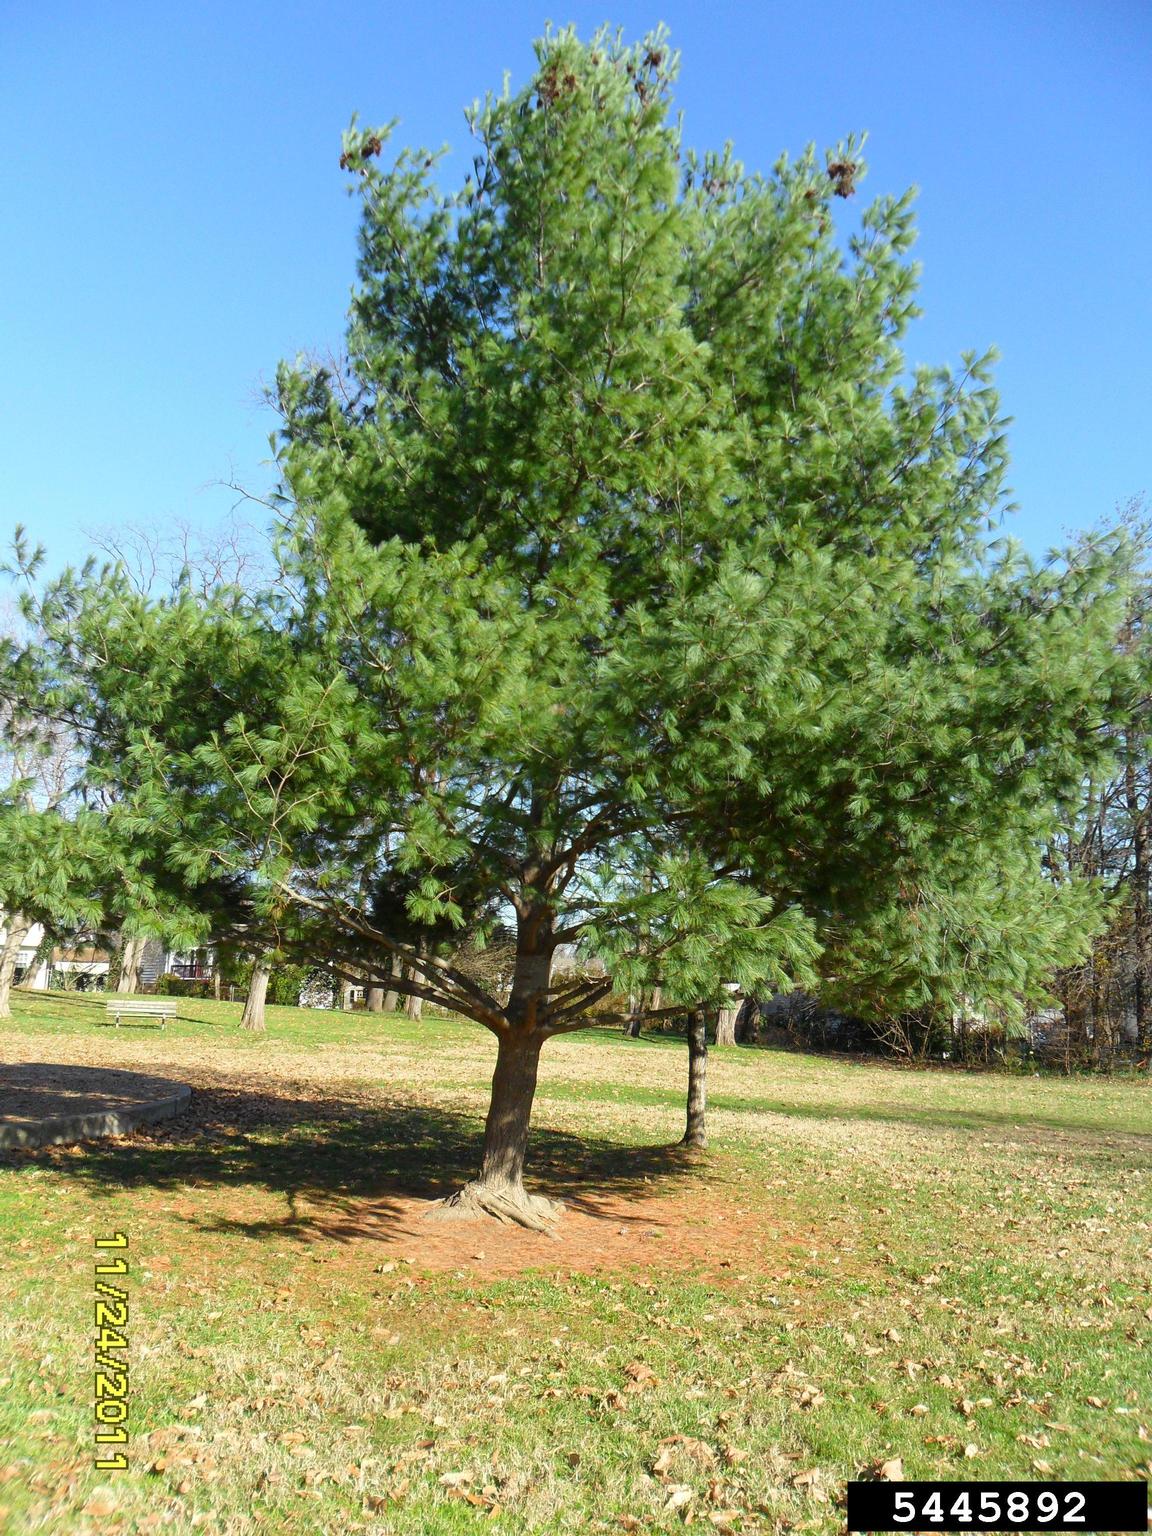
(141, 1008)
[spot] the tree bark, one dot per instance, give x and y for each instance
(498, 1190)
(27, 982)
(695, 1131)
(130, 957)
(414, 1007)
(632, 1028)
(253, 1015)
(390, 996)
(748, 1023)
(510, 1112)
(17, 930)
(726, 1025)
(374, 999)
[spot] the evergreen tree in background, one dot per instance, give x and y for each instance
(1106, 835)
(68, 863)
(633, 595)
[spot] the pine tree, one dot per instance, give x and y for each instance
(76, 857)
(633, 595)
(1105, 836)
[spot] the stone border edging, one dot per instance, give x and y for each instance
(60, 1129)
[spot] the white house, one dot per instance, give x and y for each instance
(158, 960)
(80, 963)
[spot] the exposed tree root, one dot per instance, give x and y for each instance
(509, 1205)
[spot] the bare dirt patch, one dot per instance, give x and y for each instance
(324, 1161)
(684, 1231)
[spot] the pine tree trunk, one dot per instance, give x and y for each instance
(374, 999)
(695, 1131)
(499, 1190)
(509, 1114)
(17, 931)
(253, 1015)
(130, 958)
(726, 1026)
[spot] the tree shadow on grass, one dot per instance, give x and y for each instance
(345, 1167)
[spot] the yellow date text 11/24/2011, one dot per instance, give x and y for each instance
(110, 1323)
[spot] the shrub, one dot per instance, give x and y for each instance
(286, 983)
(170, 985)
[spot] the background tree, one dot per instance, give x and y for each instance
(130, 953)
(253, 1016)
(37, 778)
(1105, 835)
(632, 596)
(54, 852)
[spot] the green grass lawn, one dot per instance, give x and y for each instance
(947, 1267)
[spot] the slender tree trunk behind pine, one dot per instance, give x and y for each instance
(374, 999)
(726, 1025)
(390, 996)
(632, 1027)
(414, 1007)
(695, 1130)
(17, 931)
(253, 1015)
(27, 982)
(748, 1023)
(651, 1001)
(130, 957)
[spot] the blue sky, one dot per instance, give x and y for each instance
(175, 219)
